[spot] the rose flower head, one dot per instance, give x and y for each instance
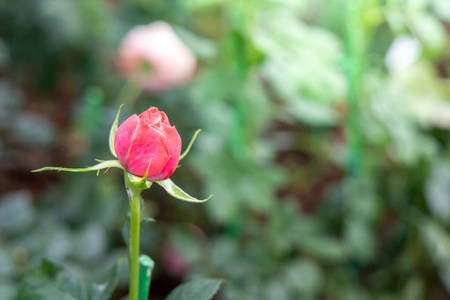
(146, 146)
(148, 139)
(155, 58)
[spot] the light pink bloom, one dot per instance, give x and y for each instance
(155, 58)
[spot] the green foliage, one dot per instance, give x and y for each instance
(104, 291)
(199, 288)
(52, 281)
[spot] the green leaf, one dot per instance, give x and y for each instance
(313, 113)
(103, 165)
(104, 291)
(178, 193)
(437, 190)
(190, 145)
(37, 288)
(146, 220)
(196, 289)
(430, 31)
(194, 5)
(437, 241)
(51, 282)
(303, 277)
(112, 133)
(203, 48)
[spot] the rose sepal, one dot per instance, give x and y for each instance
(140, 183)
(176, 192)
(102, 165)
(190, 145)
(113, 131)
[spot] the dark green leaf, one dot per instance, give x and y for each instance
(104, 291)
(196, 289)
(146, 220)
(51, 282)
(437, 241)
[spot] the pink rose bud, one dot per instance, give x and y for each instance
(148, 138)
(155, 57)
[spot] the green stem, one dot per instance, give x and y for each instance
(135, 221)
(355, 44)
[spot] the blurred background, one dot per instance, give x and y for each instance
(325, 141)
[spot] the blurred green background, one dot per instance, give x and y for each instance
(325, 141)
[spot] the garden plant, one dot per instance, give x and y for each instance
(136, 143)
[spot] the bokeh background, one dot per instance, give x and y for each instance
(325, 141)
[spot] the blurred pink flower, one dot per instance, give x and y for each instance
(174, 263)
(155, 58)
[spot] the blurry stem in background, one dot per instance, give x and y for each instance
(134, 195)
(129, 94)
(237, 19)
(355, 49)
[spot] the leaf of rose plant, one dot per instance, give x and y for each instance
(112, 133)
(190, 145)
(51, 282)
(104, 291)
(103, 165)
(198, 289)
(146, 221)
(178, 193)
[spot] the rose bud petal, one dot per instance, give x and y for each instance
(155, 58)
(148, 138)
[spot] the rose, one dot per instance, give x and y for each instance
(155, 58)
(148, 139)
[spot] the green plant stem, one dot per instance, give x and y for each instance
(355, 46)
(135, 221)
